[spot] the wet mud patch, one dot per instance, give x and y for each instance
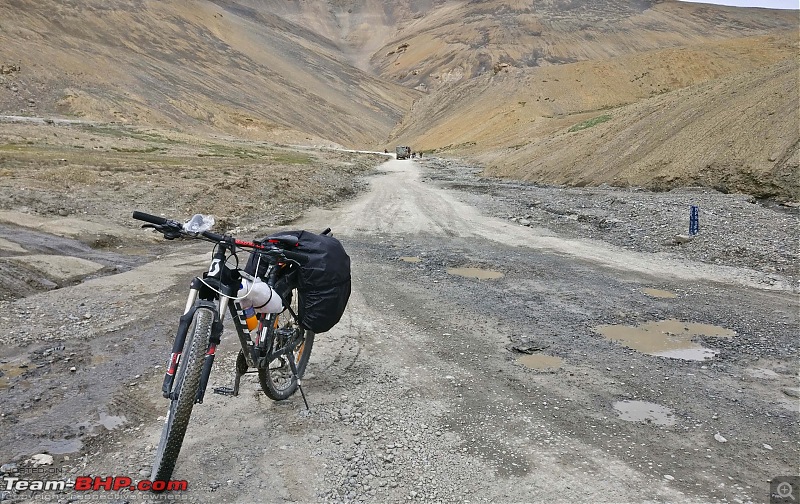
(10, 247)
(32, 261)
(411, 259)
(667, 338)
(11, 370)
(540, 362)
(479, 273)
(658, 293)
(55, 267)
(73, 392)
(644, 412)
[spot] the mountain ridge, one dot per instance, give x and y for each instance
(494, 82)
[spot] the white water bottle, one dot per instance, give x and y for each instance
(261, 297)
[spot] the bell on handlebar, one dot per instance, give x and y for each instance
(199, 223)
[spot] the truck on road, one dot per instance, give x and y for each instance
(403, 152)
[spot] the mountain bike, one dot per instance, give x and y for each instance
(278, 347)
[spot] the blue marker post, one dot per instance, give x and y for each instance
(694, 220)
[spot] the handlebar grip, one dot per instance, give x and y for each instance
(152, 219)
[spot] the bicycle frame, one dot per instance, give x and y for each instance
(200, 327)
(218, 289)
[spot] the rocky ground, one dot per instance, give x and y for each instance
(735, 229)
(418, 394)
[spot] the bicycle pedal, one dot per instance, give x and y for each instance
(227, 391)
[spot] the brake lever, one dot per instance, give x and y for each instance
(168, 231)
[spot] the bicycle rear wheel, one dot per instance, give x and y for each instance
(187, 381)
(277, 380)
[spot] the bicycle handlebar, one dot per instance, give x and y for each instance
(295, 256)
(160, 223)
(152, 219)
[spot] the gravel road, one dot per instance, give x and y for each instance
(504, 343)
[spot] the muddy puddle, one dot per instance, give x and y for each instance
(643, 411)
(667, 338)
(658, 293)
(479, 273)
(61, 446)
(74, 443)
(540, 362)
(111, 422)
(9, 371)
(410, 259)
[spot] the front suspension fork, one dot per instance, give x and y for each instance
(180, 340)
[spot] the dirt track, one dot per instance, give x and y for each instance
(417, 393)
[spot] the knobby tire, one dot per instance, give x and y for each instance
(187, 381)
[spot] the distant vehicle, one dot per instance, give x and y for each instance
(403, 152)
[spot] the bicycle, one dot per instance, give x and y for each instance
(278, 349)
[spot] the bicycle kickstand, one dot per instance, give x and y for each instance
(299, 382)
(302, 394)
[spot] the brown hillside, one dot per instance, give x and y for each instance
(737, 133)
(193, 65)
(498, 81)
(659, 103)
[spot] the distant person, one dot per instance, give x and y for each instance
(420, 155)
(385, 151)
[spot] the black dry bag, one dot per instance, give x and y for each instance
(323, 282)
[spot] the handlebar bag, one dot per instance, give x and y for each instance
(323, 282)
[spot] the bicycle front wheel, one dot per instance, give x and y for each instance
(187, 382)
(277, 380)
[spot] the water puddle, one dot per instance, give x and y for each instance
(667, 338)
(643, 411)
(540, 362)
(411, 259)
(111, 422)
(662, 294)
(83, 430)
(61, 446)
(479, 273)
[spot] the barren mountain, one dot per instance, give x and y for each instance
(627, 92)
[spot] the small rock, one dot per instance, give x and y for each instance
(669, 477)
(144, 473)
(41, 459)
(682, 238)
(720, 438)
(766, 446)
(73, 369)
